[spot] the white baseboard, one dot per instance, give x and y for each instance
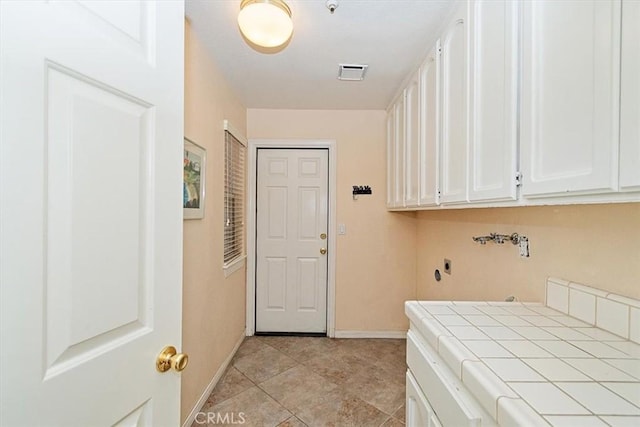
(207, 391)
(370, 334)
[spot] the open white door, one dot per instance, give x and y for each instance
(91, 214)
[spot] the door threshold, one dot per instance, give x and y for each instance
(291, 334)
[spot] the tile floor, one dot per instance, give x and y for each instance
(306, 381)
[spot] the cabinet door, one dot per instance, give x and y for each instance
(453, 150)
(630, 97)
(430, 128)
(391, 152)
(399, 145)
(418, 411)
(570, 97)
(412, 142)
(493, 104)
(434, 421)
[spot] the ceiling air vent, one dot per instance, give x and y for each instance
(352, 72)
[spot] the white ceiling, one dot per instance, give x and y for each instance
(391, 36)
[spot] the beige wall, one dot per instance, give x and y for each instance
(213, 307)
(385, 258)
(376, 270)
(597, 245)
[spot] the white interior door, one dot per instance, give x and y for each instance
(91, 214)
(291, 233)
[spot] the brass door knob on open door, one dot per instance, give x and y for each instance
(170, 358)
(323, 251)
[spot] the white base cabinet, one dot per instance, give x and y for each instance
(418, 411)
(435, 393)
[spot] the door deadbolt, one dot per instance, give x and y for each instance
(323, 236)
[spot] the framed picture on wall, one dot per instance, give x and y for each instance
(193, 180)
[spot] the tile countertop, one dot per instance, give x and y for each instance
(568, 372)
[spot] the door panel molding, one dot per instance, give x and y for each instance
(254, 145)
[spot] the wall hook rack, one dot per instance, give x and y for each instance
(360, 189)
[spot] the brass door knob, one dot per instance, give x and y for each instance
(323, 251)
(170, 358)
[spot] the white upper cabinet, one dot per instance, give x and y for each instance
(544, 94)
(453, 137)
(493, 100)
(398, 146)
(391, 156)
(630, 97)
(570, 97)
(430, 127)
(412, 141)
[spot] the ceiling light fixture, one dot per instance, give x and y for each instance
(266, 23)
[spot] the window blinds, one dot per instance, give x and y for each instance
(234, 189)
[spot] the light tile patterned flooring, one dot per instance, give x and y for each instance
(308, 381)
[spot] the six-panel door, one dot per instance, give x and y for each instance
(291, 240)
(91, 211)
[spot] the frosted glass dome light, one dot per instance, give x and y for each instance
(266, 23)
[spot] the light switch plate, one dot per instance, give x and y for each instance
(342, 229)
